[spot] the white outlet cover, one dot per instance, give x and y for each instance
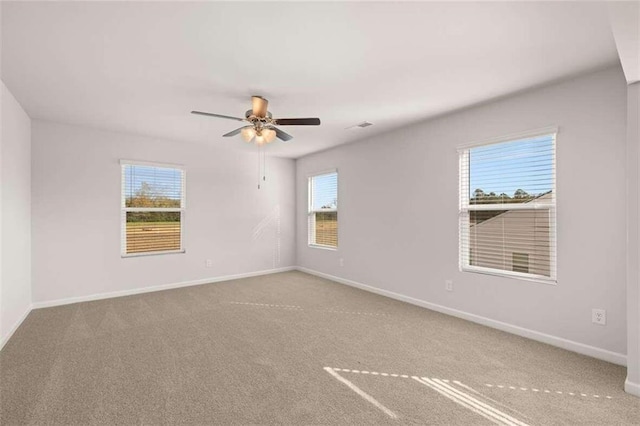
(448, 285)
(599, 316)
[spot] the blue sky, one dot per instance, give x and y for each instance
(325, 190)
(526, 164)
(162, 180)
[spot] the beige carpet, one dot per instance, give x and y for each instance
(295, 349)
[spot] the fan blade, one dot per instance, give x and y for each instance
(235, 132)
(282, 135)
(208, 114)
(297, 122)
(260, 105)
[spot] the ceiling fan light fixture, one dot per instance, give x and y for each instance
(269, 135)
(248, 134)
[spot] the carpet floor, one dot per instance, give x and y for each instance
(291, 348)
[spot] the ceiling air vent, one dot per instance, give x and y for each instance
(360, 125)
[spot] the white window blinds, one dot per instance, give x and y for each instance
(323, 210)
(153, 204)
(507, 207)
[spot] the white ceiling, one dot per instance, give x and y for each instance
(141, 67)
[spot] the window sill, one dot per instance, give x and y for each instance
(509, 274)
(318, 246)
(152, 253)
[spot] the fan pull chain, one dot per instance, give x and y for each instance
(264, 164)
(259, 168)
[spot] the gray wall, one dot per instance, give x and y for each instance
(632, 384)
(398, 217)
(76, 213)
(15, 231)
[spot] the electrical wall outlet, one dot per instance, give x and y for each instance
(341, 262)
(448, 285)
(208, 263)
(599, 316)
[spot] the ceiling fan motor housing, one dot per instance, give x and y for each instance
(249, 114)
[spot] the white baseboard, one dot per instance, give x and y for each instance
(632, 388)
(15, 327)
(581, 348)
(570, 345)
(99, 296)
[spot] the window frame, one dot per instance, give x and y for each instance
(465, 209)
(124, 209)
(311, 212)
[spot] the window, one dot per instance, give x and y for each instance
(508, 207)
(323, 210)
(153, 207)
